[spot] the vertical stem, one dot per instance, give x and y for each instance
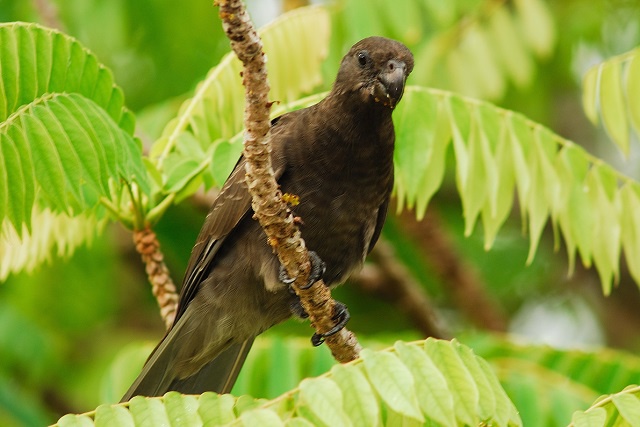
(272, 213)
(163, 288)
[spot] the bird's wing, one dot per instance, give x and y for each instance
(231, 205)
(382, 215)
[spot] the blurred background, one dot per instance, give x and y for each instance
(74, 332)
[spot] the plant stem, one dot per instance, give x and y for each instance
(272, 213)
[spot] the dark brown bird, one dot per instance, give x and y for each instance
(337, 156)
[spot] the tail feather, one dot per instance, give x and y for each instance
(219, 375)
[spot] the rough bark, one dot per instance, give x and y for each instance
(162, 285)
(270, 210)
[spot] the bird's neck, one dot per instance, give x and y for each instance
(360, 121)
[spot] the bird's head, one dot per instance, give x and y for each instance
(376, 68)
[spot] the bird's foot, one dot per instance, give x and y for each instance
(341, 316)
(318, 268)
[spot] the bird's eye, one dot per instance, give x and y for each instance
(363, 58)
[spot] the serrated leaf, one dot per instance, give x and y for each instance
(459, 381)
(436, 402)
(38, 60)
(361, 403)
(393, 382)
(75, 147)
(322, 398)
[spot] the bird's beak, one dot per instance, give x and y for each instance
(389, 91)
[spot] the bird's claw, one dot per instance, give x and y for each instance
(341, 316)
(318, 268)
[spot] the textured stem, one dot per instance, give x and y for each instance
(270, 210)
(162, 286)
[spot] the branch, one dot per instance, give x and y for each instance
(393, 282)
(272, 213)
(162, 285)
(461, 279)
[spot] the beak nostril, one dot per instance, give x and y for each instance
(391, 66)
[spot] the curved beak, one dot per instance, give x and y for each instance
(392, 80)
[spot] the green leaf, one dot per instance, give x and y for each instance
(621, 408)
(509, 47)
(630, 232)
(437, 401)
(70, 148)
(633, 86)
(260, 417)
(496, 152)
(66, 144)
(321, 401)
(606, 229)
(216, 409)
(361, 403)
(423, 163)
(595, 418)
(628, 405)
(590, 95)
(480, 54)
(393, 382)
(38, 60)
(609, 92)
(183, 408)
(72, 420)
(612, 106)
(537, 25)
(113, 415)
(410, 388)
(215, 113)
(56, 233)
(487, 400)
(148, 411)
(459, 381)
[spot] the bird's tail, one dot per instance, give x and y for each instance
(219, 375)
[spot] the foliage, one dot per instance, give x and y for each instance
(72, 162)
(433, 381)
(610, 90)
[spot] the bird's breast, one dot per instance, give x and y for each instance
(339, 212)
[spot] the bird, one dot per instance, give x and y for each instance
(336, 157)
